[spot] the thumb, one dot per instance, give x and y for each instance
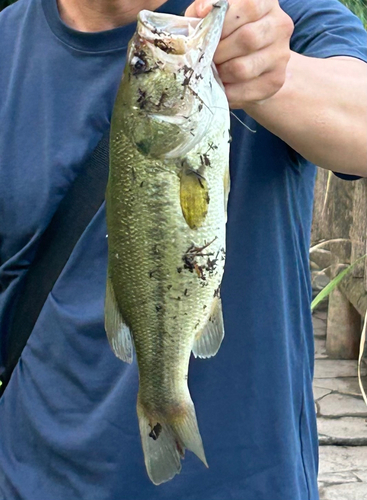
(200, 8)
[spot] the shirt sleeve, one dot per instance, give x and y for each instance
(325, 28)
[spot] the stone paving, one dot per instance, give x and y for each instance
(342, 422)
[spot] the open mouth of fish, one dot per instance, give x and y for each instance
(163, 26)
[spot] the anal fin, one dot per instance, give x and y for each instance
(118, 333)
(208, 341)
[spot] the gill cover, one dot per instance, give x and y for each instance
(166, 89)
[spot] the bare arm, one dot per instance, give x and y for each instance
(317, 106)
(321, 112)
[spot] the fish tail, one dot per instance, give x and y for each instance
(165, 438)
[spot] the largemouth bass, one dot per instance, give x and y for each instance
(166, 214)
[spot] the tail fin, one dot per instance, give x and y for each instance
(164, 442)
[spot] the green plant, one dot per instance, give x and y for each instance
(359, 8)
(324, 293)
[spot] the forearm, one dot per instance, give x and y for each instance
(321, 112)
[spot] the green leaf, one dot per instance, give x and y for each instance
(333, 284)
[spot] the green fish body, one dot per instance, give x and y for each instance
(166, 214)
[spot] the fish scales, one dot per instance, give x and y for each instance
(166, 206)
(148, 261)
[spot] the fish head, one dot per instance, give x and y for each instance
(168, 81)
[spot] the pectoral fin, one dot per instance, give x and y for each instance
(208, 341)
(194, 197)
(118, 333)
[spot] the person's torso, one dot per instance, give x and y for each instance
(68, 418)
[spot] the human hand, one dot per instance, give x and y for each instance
(253, 52)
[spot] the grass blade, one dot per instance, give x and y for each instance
(333, 284)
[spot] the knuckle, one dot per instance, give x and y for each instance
(257, 65)
(276, 80)
(286, 24)
(254, 9)
(284, 59)
(250, 37)
(239, 69)
(287, 56)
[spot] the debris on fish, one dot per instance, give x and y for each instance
(166, 215)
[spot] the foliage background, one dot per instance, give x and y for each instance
(359, 7)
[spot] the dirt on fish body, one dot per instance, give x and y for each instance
(166, 214)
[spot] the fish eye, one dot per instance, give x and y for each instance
(139, 65)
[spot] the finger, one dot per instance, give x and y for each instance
(199, 8)
(191, 10)
(242, 69)
(256, 90)
(241, 12)
(246, 39)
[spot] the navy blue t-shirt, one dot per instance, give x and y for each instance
(68, 421)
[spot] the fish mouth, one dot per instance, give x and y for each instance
(171, 34)
(179, 35)
(157, 24)
(171, 62)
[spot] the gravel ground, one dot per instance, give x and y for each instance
(342, 423)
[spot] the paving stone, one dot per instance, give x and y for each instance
(342, 458)
(328, 368)
(339, 405)
(337, 477)
(319, 328)
(320, 334)
(345, 385)
(361, 474)
(319, 280)
(343, 439)
(343, 431)
(320, 348)
(321, 257)
(319, 392)
(357, 491)
(319, 322)
(321, 314)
